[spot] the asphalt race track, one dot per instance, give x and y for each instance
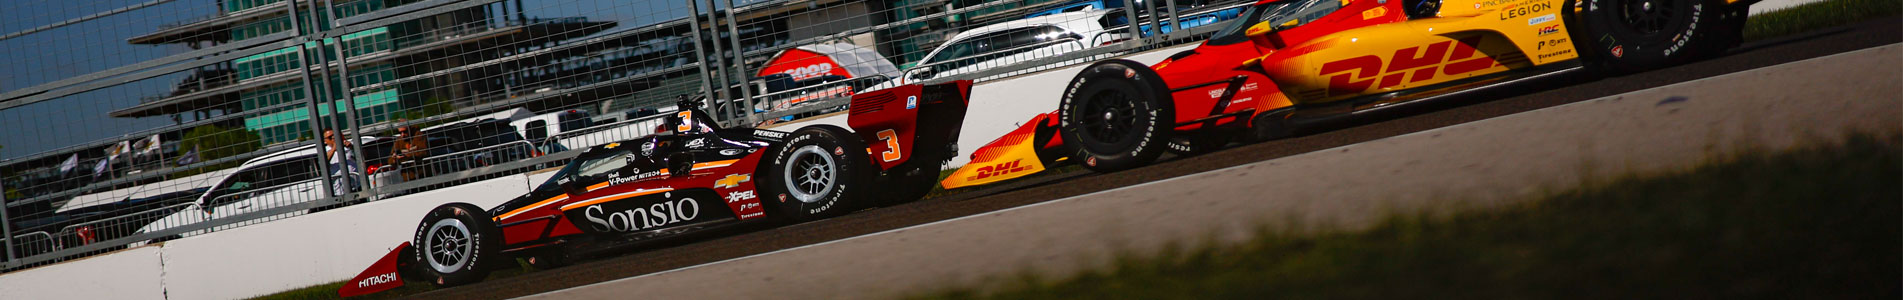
(1047, 187)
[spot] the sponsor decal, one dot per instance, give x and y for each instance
(647, 148)
(730, 152)
(751, 215)
(810, 71)
(616, 179)
(1618, 51)
(1412, 64)
(639, 218)
(1540, 19)
(1556, 53)
(1215, 93)
(769, 134)
(782, 197)
(1249, 86)
(732, 181)
(750, 206)
(1376, 12)
(1526, 10)
(612, 145)
(1000, 169)
(1552, 42)
(1240, 101)
(1549, 30)
(1128, 73)
(376, 280)
(1092, 161)
(839, 151)
(697, 143)
(911, 102)
(738, 196)
(1491, 3)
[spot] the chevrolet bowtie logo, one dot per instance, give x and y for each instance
(732, 180)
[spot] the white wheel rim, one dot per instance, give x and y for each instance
(448, 245)
(810, 174)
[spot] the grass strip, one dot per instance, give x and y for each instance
(1817, 15)
(1819, 222)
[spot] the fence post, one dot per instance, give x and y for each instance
(700, 58)
(349, 112)
(310, 95)
(1136, 30)
(740, 61)
(719, 83)
(1176, 21)
(6, 227)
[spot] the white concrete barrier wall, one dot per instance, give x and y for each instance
(259, 259)
(130, 274)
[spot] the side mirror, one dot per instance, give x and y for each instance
(1263, 33)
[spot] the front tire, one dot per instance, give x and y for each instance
(817, 174)
(1117, 114)
(455, 244)
(1627, 36)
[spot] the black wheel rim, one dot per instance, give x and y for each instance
(1647, 17)
(1108, 118)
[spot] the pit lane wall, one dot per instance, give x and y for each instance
(255, 260)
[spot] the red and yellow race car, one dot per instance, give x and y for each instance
(1288, 64)
(690, 177)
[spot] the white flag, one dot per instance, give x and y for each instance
(71, 162)
(113, 152)
(104, 164)
(151, 145)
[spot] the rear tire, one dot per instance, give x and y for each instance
(1627, 36)
(456, 244)
(817, 174)
(1116, 116)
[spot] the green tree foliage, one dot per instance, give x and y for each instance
(214, 142)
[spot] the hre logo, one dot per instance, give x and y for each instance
(1357, 74)
(1549, 30)
(998, 170)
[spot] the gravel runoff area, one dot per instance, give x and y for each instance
(1473, 165)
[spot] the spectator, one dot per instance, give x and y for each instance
(407, 152)
(342, 164)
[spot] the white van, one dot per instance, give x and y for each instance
(1013, 42)
(279, 179)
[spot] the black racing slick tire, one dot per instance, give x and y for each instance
(1626, 36)
(819, 173)
(456, 244)
(1118, 115)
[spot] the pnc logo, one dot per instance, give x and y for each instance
(1357, 74)
(998, 170)
(732, 180)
